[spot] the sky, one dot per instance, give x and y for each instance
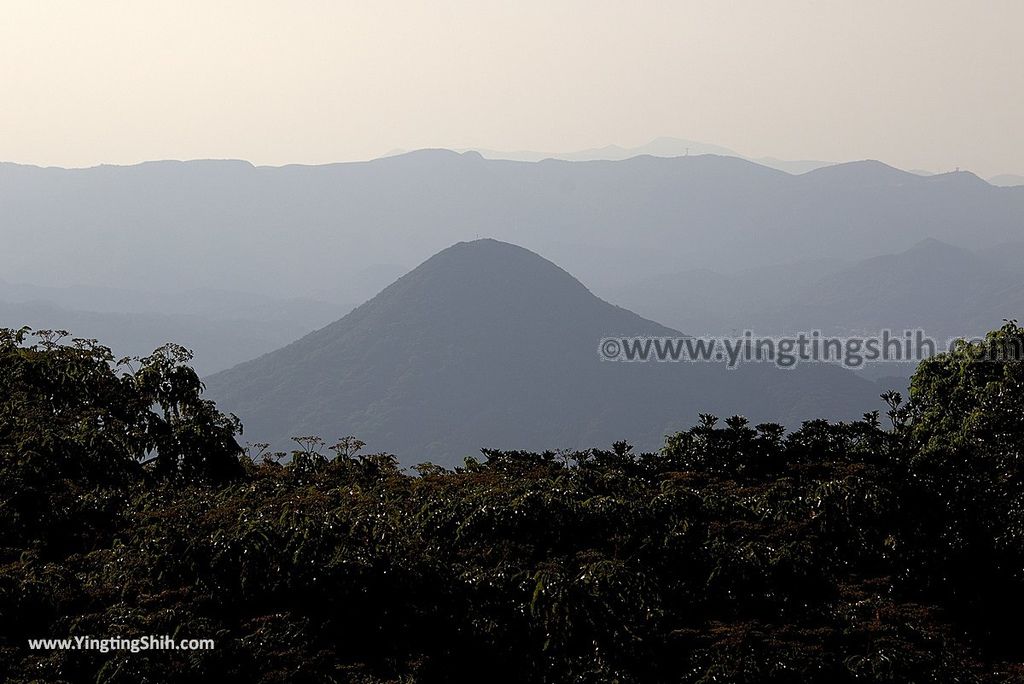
(920, 84)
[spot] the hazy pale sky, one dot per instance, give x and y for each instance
(927, 84)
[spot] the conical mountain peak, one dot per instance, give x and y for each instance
(479, 341)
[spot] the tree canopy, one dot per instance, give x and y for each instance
(876, 550)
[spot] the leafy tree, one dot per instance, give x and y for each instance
(839, 552)
(77, 424)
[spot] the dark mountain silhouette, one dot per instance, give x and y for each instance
(489, 345)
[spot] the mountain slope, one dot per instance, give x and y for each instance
(946, 290)
(489, 345)
(702, 301)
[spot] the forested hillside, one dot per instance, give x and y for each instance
(486, 337)
(885, 549)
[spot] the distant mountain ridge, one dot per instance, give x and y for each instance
(300, 230)
(1007, 180)
(666, 146)
(489, 345)
(659, 147)
(221, 328)
(947, 290)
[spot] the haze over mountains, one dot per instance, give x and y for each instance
(221, 328)
(659, 147)
(1007, 180)
(679, 147)
(488, 344)
(235, 260)
(948, 291)
(300, 231)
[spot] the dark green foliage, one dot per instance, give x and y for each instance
(837, 553)
(76, 424)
